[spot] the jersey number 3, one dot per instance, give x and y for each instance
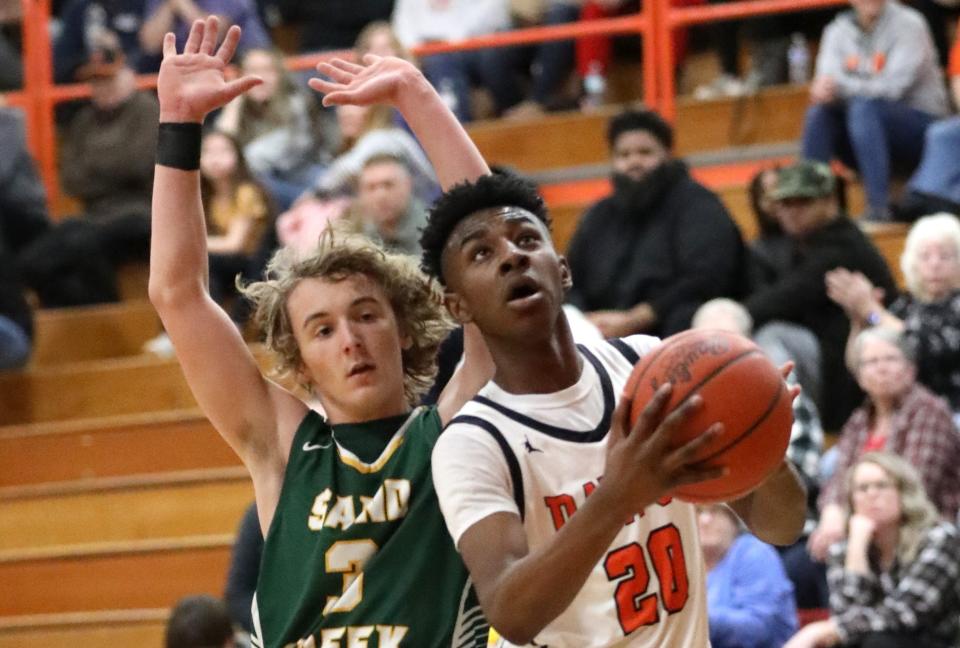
(635, 608)
(347, 558)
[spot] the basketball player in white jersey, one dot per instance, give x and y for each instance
(530, 450)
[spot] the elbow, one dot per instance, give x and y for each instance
(784, 531)
(513, 622)
(167, 296)
(516, 631)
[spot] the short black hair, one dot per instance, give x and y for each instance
(642, 120)
(466, 198)
(197, 622)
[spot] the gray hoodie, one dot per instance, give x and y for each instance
(895, 61)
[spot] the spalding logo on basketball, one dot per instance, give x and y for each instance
(740, 388)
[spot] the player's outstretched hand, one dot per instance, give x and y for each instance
(641, 465)
(192, 84)
(378, 80)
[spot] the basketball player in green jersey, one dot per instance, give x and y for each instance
(356, 550)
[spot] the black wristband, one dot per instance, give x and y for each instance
(178, 145)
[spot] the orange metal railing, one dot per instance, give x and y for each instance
(655, 24)
(672, 18)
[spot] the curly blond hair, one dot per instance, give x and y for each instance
(416, 300)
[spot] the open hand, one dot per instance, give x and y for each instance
(641, 461)
(853, 292)
(377, 81)
(194, 83)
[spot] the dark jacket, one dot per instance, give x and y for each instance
(797, 293)
(23, 200)
(667, 241)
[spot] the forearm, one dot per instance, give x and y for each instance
(776, 510)
(451, 151)
(178, 248)
(476, 370)
(535, 589)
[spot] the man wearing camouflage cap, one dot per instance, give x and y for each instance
(795, 318)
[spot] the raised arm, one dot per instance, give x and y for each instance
(399, 83)
(222, 373)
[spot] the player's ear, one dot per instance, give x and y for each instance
(303, 376)
(458, 307)
(566, 277)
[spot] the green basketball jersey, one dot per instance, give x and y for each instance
(358, 553)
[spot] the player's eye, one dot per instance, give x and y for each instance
(324, 331)
(479, 253)
(528, 240)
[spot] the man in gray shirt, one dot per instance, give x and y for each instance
(877, 88)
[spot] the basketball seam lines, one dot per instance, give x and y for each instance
(748, 431)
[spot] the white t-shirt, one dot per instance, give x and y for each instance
(539, 456)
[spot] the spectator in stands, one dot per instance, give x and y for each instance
(244, 569)
(23, 219)
(749, 597)
(804, 451)
(662, 244)
(387, 207)
(420, 21)
(877, 87)
(237, 211)
(893, 581)
(368, 131)
(278, 127)
(176, 16)
(11, 64)
(105, 163)
(935, 186)
(899, 416)
(795, 318)
(104, 160)
(91, 26)
(928, 315)
(550, 63)
(332, 24)
(23, 200)
(770, 248)
(378, 38)
(199, 621)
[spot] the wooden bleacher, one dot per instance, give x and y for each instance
(119, 497)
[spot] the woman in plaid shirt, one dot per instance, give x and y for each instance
(894, 580)
(899, 416)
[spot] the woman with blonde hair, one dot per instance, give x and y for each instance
(928, 314)
(893, 580)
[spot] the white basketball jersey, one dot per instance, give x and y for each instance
(649, 590)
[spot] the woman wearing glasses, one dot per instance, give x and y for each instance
(893, 580)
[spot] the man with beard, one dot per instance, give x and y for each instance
(646, 257)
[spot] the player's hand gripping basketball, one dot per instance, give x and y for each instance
(378, 80)
(193, 83)
(641, 466)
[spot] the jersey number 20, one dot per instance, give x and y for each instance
(635, 608)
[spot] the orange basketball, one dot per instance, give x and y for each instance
(740, 388)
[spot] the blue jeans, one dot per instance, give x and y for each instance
(553, 60)
(492, 68)
(868, 135)
(939, 170)
(14, 344)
